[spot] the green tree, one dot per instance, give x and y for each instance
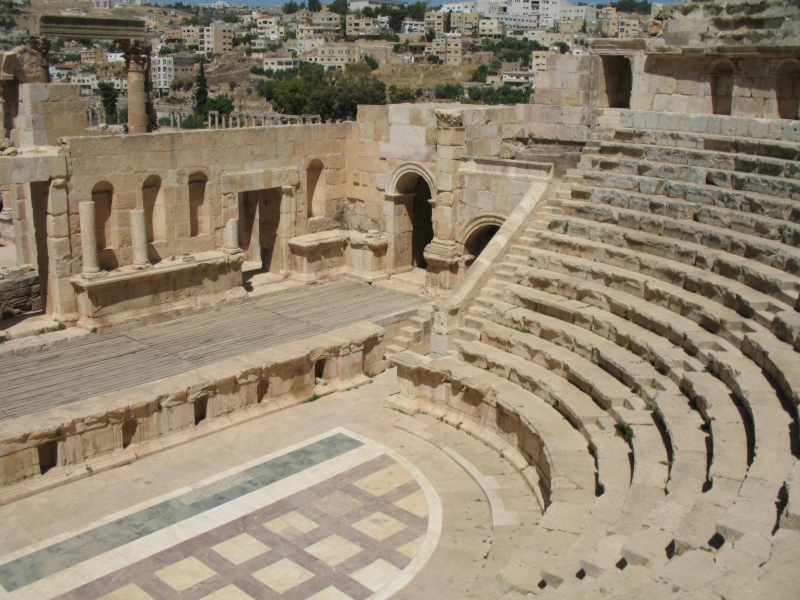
(479, 74)
(371, 61)
(401, 95)
(232, 84)
(223, 104)
(314, 6)
(357, 86)
(430, 34)
(108, 97)
(290, 8)
(338, 6)
(201, 91)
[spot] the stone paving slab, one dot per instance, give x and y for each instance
(101, 364)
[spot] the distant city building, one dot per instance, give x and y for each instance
(464, 7)
(93, 55)
(281, 64)
(101, 4)
(335, 56)
(216, 38)
(165, 69)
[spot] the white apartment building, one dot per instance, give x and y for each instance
(216, 38)
(282, 63)
(465, 7)
(269, 28)
(165, 69)
(411, 26)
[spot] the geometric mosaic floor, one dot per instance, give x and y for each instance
(338, 516)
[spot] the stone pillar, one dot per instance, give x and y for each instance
(445, 265)
(172, 119)
(209, 120)
(3, 132)
(397, 218)
(91, 266)
(59, 294)
(137, 61)
(286, 232)
(139, 237)
(179, 120)
(232, 237)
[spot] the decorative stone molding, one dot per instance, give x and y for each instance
(478, 223)
(406, 168)
(447, 117)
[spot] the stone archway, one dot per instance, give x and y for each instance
(477, 234)
(408, 214)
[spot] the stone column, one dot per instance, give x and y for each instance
(288, 213)
(137, 61)
(139, 237)
(209, 120)
(172, 119)
(3, 132)
(232, 237)
(91, 266)
(179, 120)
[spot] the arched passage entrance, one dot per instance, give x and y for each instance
(410, 223)
(477, 234)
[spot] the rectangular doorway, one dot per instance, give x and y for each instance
(259, 228)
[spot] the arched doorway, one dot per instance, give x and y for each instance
(787, 92)
(411, 188)
(477, 234)
(618, 75)
(479, 240)
(722, 87)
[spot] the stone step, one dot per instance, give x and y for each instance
(589, 378)
(703, 193)
(738, 218)
(770, 421)
(751, 310)
(771, 148)
(744, 163)
(414, 333)
(403, 341)
(769, 185)
(393, 349)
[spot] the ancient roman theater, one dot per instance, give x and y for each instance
(444, 351)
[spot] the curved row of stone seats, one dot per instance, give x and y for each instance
(731, 159)
(755, 509)
(765, 348)
(559, 452)
(736, 218)
(632, 168)
(729, 459)
(687, 442)
(754, 293)
(704, 510)
(761, 249)
(610, 451)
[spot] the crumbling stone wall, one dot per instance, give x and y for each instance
(19, 291)
(48, 111)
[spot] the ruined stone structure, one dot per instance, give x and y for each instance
(615, 328)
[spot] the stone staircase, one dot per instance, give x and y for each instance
(637, 345)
